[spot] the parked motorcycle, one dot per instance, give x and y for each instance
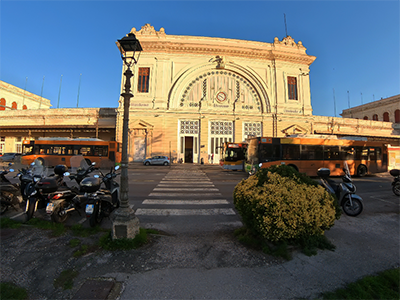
(28, 178)
(38, 194)
(64, 202)
(10, 193)
(396, 181)
(80, 169)
(345, 191)
(101, 202)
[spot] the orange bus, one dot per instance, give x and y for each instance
(55, 151)
(233, 156)
(309, 153)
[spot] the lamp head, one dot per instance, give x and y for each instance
(130, 48)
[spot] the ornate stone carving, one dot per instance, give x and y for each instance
(288, 41)
(147, 29)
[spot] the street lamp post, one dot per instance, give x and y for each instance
(124, 222)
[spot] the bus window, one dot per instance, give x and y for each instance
(331, 152)
(309, 152)
(347, 153)
(291, 151)
(269, 152)
(100, 150)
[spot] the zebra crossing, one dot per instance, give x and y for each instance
(191, 190)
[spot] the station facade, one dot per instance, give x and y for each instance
(193, 93)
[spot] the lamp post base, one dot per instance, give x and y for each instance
(125, 225)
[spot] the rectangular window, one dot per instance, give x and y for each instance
(292, 87)
(312, 152)
(143, 80)
(291, 152)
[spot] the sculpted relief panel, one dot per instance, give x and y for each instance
(221, 90)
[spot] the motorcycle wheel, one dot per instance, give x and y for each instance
(56, 215)
(31, 208)
(352, 210)
(4, 206)
(96, 217)
(396, 188)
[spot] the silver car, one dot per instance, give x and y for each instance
(11, 157)
(157, 160)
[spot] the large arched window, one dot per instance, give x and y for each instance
(14, 105)
(397, 116)
(365, 118)
(2, 104)
(385, 117)
(375, 117)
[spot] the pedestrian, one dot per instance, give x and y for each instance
(212, 158)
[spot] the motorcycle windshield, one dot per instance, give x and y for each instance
(38, 169)
(106, 165)
(346, 168)
(78, 163)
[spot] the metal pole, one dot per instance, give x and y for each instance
(124, 160)
(125, 223)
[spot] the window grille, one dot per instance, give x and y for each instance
(143, 80)
(292, 88)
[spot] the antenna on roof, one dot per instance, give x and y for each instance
(284, 15)
(79, 89)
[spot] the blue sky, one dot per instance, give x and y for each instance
(356, 43)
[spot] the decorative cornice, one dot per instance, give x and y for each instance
(159, 42)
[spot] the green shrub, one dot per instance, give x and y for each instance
(280, 204)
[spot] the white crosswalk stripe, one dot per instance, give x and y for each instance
(190, 188)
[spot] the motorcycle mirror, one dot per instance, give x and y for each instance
(96, 176)
(116, 168)
(11, 170)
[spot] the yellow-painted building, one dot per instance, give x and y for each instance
(193, 93)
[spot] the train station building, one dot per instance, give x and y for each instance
(193, 93)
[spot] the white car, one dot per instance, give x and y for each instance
(157, 160)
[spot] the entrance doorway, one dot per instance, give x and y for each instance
(189, 149)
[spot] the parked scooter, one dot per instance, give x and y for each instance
(345, 191)
(29, 177)
(38, 194)
(64, 202)
(396, 181)
(101, 202)
(10, 193)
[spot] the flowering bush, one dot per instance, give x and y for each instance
(281, 204)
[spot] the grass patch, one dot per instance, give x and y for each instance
(9, 223)
(385, 285)
(74, 243)
(308, 245)
(66, 279)
(82, 251)
(10, 291)
(58, 229)
(106, 242)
